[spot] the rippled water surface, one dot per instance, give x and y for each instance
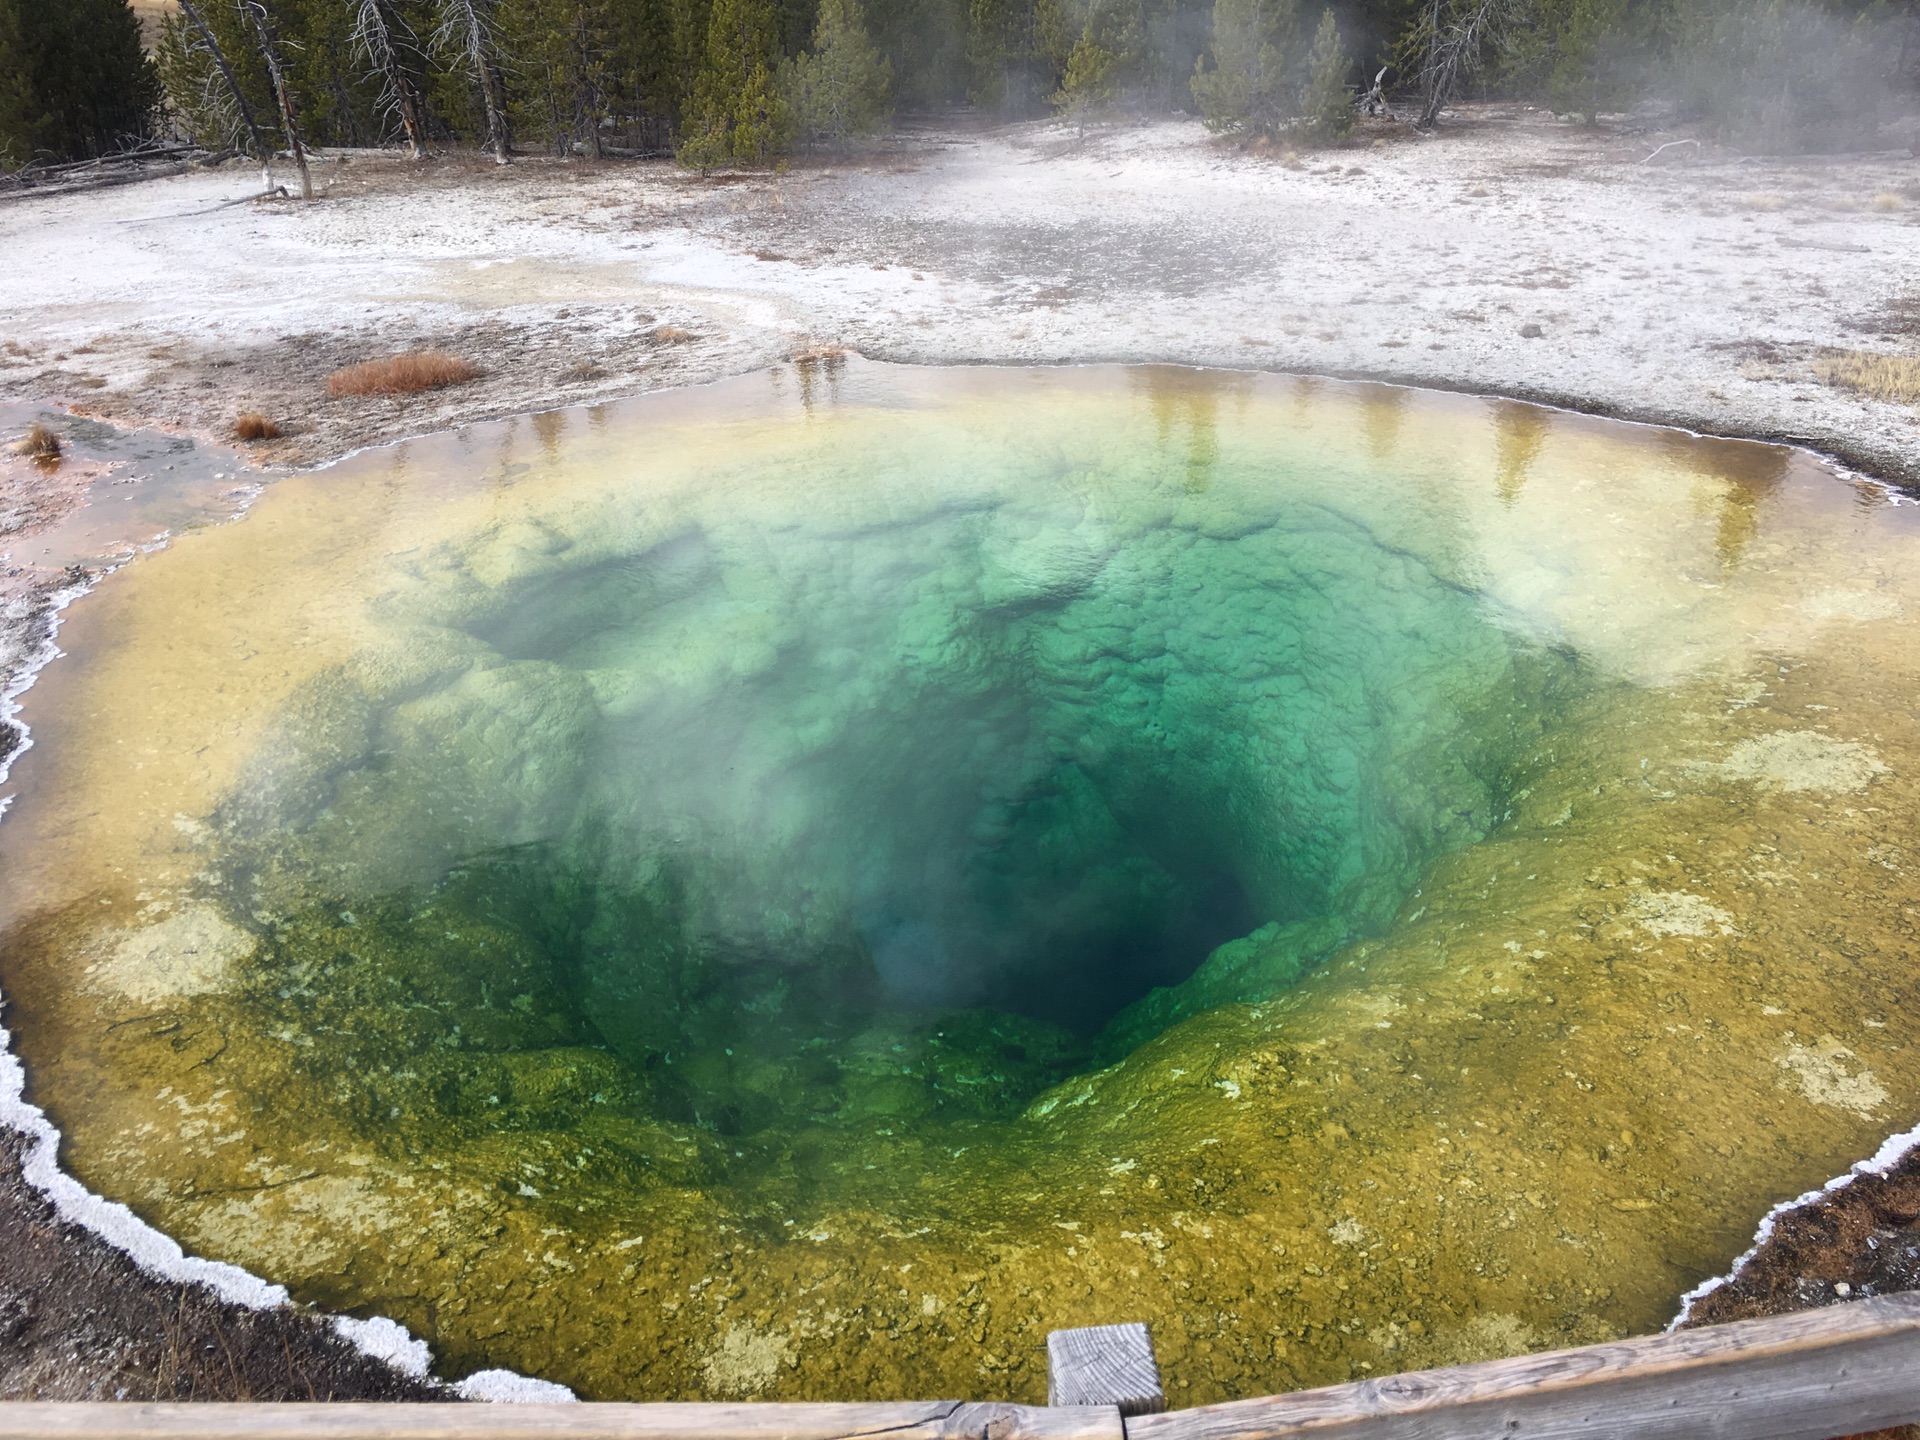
(795, 889)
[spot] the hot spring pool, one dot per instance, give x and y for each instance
(797, 888)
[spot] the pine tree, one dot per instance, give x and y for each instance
(209, 74)
(655, 48)
(1104, 51)
(1587, 76)
(108, 91)
(563, 64)
(1326, 107)
(689, 22)
(925, 44)
(1006, 54)
(838, 90)
(1251, 86)
(708, 74)
(738, 115)
(335, 91)
(77, 81)
(17, 114)
(1090, 79)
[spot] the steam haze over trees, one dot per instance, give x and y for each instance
(743, 82)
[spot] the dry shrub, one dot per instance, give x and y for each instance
(1886, 200)
(671, 335)
(1883, 377)
(401, 374)
(252, 425)
(41, 444)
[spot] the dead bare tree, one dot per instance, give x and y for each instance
(1451, 37)
(262, 151)
(263, 32)
(1373, 101)
(463, 30)
(374, 28)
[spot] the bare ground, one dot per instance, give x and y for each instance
(1850, 1244)
(1692, 288)
(1514, 255)
(80, 1321)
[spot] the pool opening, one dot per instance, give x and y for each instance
(928, 883)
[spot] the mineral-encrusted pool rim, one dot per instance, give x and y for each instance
(156, 1253)
(162, 1256)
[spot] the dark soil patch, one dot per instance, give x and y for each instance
(1858, 1241)
(80, 1321)
(1861, 1240)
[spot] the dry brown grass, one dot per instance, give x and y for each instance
(252, 425)
(1882, 377)
(41, 444)
(401, 374)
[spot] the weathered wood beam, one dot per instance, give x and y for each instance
(1105, 1365)
(928, 1420)
(1820, 1373)
(1807, 1376)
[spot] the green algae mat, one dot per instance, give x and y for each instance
(797, 888)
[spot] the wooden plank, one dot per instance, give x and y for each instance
(995, 1421)
(926, 1420)
(1808, 1376)
(1105, 1365)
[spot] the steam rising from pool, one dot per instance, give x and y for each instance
(752, 772)
(655, 896)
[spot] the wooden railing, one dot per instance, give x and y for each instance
(1807, 1376)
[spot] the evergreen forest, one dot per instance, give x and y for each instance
(745, 82)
